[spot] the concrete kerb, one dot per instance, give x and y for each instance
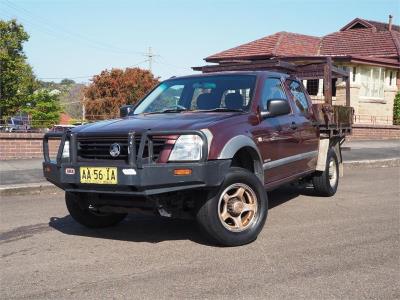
(28, 188)
(47, 187)
(373, 163)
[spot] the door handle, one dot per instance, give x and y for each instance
(293, 126)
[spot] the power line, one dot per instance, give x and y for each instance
(67, 77)
(55, 30)
(51, 26)
(90, 76)
(164, 62)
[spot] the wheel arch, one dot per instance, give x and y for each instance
(240, 146)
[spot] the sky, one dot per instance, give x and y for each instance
(78, 39)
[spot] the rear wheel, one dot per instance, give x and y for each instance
(87, 216)
(236, 214)
(326, 182)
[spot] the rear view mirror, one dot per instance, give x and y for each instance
(276, 107)
(125, 110)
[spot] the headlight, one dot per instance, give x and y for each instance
(65, 153)
(187, 147)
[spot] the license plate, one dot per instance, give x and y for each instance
(103, 175)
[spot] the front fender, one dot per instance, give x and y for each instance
(239, 142)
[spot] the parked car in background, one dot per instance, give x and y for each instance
(18, 123)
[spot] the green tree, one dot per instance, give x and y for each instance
(44, 108)
(17, 80)
(67, 81)
(396, 110)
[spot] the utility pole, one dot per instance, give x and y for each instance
(150, 58)
(83, 112)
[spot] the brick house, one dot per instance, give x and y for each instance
(369, 50)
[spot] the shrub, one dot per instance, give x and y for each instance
(44, 107)
(396, 110)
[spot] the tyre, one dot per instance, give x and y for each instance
(80, 211)
(326, 182)
(235, 214)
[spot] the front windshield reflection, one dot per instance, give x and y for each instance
(203, 93)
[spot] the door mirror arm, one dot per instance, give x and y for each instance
(265, 114)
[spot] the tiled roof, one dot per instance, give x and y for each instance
(368, 38)
(379, 60)
(361, 41)
(278, 44)
(383, 26)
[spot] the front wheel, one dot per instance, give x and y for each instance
(326, 182)
(236, 214)
(85, 215)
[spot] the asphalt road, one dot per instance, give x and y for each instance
(315, 248)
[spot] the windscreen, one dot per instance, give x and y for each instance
(203, 93)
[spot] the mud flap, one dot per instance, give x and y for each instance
(324, 145)
(322, 154)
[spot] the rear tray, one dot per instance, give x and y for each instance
(334, 118)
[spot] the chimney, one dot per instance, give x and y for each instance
(390, 22)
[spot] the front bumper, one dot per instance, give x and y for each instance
(150, 180)
(134, 178)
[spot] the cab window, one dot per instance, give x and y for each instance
(298, 95)
(272, 90)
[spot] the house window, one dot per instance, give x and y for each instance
(334, 81)
(354, 73)
(390, 77)
(312, 86)
(372, 82)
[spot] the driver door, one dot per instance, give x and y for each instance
(275, 137)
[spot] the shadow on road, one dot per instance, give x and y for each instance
(135, 228)
(153, 229)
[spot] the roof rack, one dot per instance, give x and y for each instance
(303, 67)
(246, 65)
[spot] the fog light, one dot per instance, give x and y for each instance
(182, 172)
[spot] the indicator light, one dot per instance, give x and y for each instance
(182, 172)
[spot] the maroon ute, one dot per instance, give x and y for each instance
(206, 147)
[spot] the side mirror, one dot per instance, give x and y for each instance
(125, 110)
(276, 107)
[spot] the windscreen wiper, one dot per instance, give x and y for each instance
(222, 109)
(168, 110)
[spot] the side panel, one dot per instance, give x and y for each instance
(277, 142)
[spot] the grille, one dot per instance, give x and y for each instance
(98, 148)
